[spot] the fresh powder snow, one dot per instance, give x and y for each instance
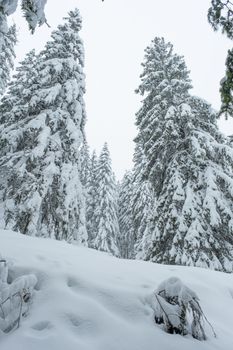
(89, 300)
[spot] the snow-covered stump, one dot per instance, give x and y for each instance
(15, 298)
(177, 308)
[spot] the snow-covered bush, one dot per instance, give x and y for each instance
(177, 308)
(15, 298)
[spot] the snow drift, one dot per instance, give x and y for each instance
(88, 300)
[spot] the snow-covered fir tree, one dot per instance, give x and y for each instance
(92, 200)
(135, 209)
(194, 212)
(164, 82)
(88, 176)
(33, 11)
(142, 199)
(141, 204)
(107, 221)
(189, 164)
(7, 44)
(14, 104)
(85, 164)
(126, 238)
(41, 146)
(14, 107)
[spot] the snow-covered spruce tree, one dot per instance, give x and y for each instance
(107, 221)
(189, 165)
(92, 201)
(88, 176)
(33, 11)
(44, 194)
(141, 204)
(194, 212)
(226, 87)
(142, 201)
(85, 164)
(126, 239)
(220, 16)
(7, 44)
(164, 82)
(135, 209)
(14, 105)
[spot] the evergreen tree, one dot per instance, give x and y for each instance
(42, 146)
(85, 164)
(33, 11)
(14, 105)
(226, 87)
(141, 203)
(220, 16)
(189, 165)
(92, 201)
(193, 217)
(126, 239)
(165, 82)
(7, 44)
(107, 222)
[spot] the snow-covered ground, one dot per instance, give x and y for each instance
(88, 300)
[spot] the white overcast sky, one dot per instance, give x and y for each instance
(115, 34)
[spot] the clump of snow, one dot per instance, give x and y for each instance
(173, 287)
(89, 300)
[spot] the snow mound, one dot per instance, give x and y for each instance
(88, 300)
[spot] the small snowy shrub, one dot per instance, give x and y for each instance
(178, 309)
(15, 298)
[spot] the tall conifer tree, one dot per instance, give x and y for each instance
(7, 55)
(41, 146)
(107, 221)
(14, 105)
(189, 164)
(126, 239)
(164, 82)
(92, 201)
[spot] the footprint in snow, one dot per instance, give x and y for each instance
(42, 325)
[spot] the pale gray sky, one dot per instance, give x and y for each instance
(115, 34)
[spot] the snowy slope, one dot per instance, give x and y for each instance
(87, 300)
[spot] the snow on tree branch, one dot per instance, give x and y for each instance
(178, 309)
